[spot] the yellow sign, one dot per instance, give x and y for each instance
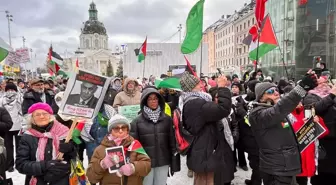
(8, 68)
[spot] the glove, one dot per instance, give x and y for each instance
(127, 169)
(69, 150)
(109, 161)
(240, 99)
(66, 147)
(56, 170)
(308, 82)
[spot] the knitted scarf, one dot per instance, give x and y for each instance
(153, 115)
(57, 132)
(322, 90)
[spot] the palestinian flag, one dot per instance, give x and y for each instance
(77, 132)
(267, 41)
(285, 125)
(141, 52)
(54, 61)
(4, 49)
(168, 83)
(136, 147)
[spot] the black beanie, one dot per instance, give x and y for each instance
(11, 86)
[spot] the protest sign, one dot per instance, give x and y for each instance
(116, 151)
(308, 133)
(84, 94)
(129, 111)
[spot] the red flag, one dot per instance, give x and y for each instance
(51, 72)
(189, 68)
(77, 63)
(260, 11)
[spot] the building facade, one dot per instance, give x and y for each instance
(93, 53)
(159, 57)
(243, 22)
(209, 39)
(305, 30)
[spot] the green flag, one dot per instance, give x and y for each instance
(194, 29)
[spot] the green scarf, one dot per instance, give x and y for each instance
(102, 120)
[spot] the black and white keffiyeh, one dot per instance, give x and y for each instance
(153, 115)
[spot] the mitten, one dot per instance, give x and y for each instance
(308, 82)
(127, 169)
(109, 161)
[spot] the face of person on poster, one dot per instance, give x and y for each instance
(120, 131)
(87, 90)
(38, 87)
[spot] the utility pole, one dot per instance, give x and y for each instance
(31, 61)
(23, 41)
(180, 31)
(9, 19)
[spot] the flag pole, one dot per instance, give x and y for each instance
(256, 63)
(144, 67)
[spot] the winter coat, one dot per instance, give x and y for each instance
(233, 123)
(96, 174)
(31, 97)
(127, 98)
(308, 155)
(157, 138)
(6, 122)
(15, 110)
(201, 118)
(225, 174)
(26, 162)
(246, 138)
(326, 108)
(278, 147)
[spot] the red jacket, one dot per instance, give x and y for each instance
(308, 155)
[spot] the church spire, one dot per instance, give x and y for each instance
(93, 12)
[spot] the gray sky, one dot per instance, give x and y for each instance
(58, 22)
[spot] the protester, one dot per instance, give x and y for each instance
(113, 90)
(154, 129)
(129, 96)
(36, 94)
(39, 147)
(137, 165)
(278, 147)
(230, 133)
(12, 101)
(6, 124)
(201, 116)
(322, 98)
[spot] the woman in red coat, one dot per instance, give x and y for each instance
(308, 155)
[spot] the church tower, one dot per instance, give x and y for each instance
(93, 35)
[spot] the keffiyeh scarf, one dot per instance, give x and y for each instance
(187, 96)
(153, 115)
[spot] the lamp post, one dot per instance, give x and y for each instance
(9, 19)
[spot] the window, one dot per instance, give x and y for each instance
(87, 43)
(244, 25)
(248, 23)
(96, 44)
(240, 26)
(252, 20)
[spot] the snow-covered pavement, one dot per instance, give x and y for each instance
(179, 178)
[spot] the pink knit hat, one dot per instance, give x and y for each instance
(42, 106)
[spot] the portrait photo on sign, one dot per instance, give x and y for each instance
(84, 94)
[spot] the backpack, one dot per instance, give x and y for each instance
(183, 138)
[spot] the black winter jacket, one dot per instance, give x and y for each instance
(26, 162)
(31, 97)
(278, 148)
(6, 122)
(156, 138)
(326, 108)
(201, 119)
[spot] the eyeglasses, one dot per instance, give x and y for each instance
(153, 99)
(123, 128)
(272, 91)
(41, 114)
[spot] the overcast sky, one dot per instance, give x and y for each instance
(59, 22)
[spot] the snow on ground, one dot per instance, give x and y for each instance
(179, 178)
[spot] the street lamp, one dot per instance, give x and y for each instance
(9, 19)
